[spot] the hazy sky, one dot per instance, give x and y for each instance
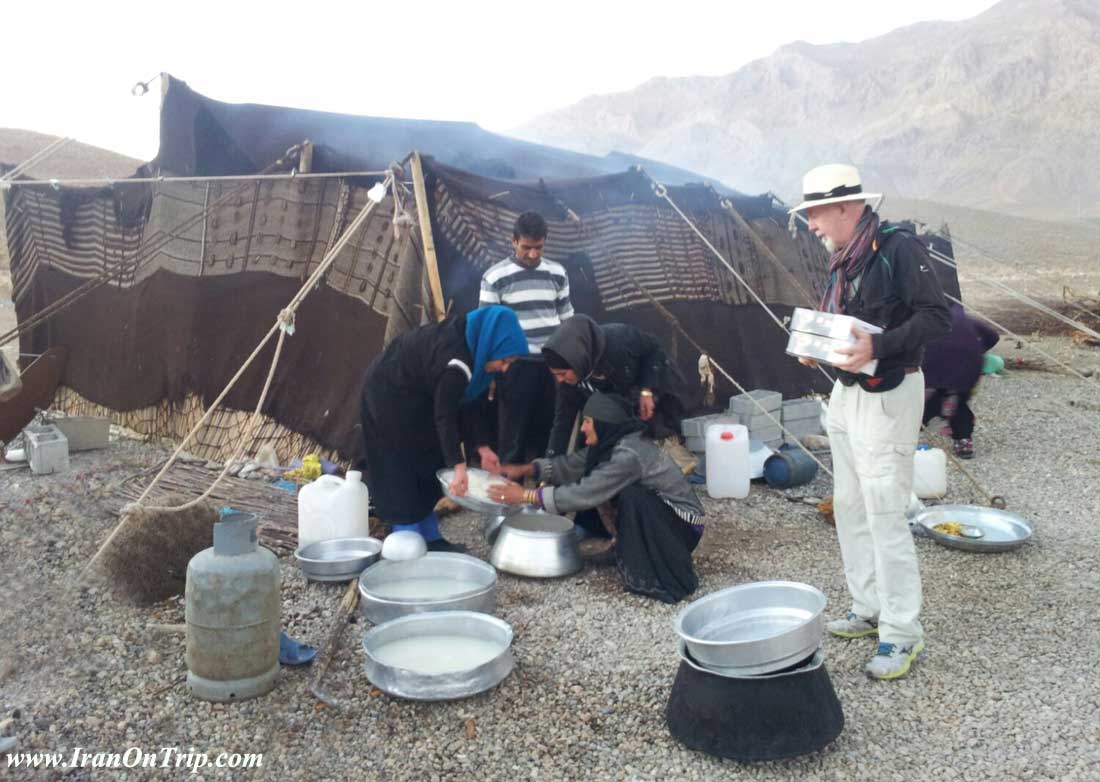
(70, 66)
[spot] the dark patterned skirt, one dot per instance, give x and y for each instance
(653, 545)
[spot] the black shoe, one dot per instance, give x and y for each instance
(445, 546)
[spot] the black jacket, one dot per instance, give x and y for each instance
(413, 391)
(899, 292)
(630, 360)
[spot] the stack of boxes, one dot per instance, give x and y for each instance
(760, 411)
(820, 335)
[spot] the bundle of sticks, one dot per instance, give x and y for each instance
(277, 508)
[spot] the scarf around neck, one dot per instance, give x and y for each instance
(849, 262)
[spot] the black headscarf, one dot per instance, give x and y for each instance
(577, 344)
(613, 417)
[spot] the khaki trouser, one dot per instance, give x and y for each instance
(873, 437)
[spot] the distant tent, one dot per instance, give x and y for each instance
(186, 306)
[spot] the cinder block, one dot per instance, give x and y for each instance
(84, 432)
(766, 433)
(47, 449)
(697, 427)
(796, 409)
(751, 402)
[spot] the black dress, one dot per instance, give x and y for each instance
(632, 360)
(412, 416)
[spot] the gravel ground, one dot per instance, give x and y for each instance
(1005, 690)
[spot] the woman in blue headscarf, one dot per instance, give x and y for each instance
(416, 397)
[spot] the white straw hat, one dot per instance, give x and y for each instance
(831, 184)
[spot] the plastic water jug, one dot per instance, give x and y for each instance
(930, 473)
(333, 507)
(727, 461)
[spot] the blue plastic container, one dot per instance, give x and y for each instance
(789, 467)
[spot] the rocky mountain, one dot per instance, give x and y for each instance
(992, 112)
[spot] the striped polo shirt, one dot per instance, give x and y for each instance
(539, 296)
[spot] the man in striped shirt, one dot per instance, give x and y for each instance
(538, 290)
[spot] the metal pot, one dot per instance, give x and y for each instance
(754, 628)
(536, 544)
(400, 680)
(475, 586)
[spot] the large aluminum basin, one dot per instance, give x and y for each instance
(754, 628)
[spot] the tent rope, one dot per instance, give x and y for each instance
(283, 325)
(1003, 328)
(675, 323)
(662, 191)
(33, 160)
(1021, 297)
(108, 181)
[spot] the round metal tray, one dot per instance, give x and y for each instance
(486, 507)
(1001, 530)
(340, 559)
(378, 608)
(754, 628)
(417, 685)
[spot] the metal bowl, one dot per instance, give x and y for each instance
(340, 559)
(385, 587)
(1001, 530)
(417, 657)
(536, 544)
(477, 505)
(755, 628)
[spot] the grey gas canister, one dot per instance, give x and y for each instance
(232, 614)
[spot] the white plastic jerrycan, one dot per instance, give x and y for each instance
(333, 507)
(929, 473)
(727, 461)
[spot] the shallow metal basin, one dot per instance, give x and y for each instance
(402, 679)
(755, 628)
(1001, 530)
(476, 504)
(538, 545)
(339, 559)
(475, 584)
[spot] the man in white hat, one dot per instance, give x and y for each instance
(881, 275)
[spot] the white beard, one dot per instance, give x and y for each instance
(830, 245)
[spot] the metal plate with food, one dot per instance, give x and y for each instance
(438, 656)
(753, 628)
(340, 559)
(974, 528)
(477, 496)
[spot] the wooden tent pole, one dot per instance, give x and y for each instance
(423, 216)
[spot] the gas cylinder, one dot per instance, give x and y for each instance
(232, 614)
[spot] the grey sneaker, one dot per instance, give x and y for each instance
(892, 661)
(852, 626)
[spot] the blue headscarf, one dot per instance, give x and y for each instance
(492, 333)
